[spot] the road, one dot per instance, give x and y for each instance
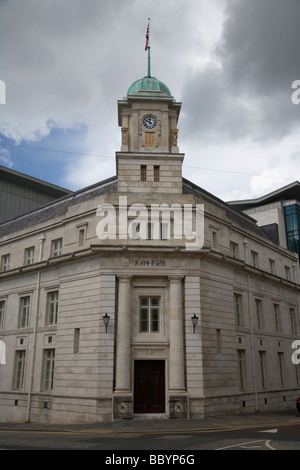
(283, 436)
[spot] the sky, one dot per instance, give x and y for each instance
(231, 63)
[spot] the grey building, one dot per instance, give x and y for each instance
(20, 193)
(278, 214)
(144, 294)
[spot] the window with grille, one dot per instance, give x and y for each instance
(143, 173)
(156, 173)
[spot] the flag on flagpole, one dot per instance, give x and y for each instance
(147, 37)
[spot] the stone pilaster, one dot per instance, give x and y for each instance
(123, 404)
(176, 359)
(123, 356)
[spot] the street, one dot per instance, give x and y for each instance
(119, 440)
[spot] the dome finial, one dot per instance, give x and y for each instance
(147, 47)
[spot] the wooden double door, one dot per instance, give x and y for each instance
(149, 386)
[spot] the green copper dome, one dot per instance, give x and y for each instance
(148, 84)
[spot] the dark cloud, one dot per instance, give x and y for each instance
(248, 92)
(213, 112)
(260, 45)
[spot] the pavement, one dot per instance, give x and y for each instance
(161, 424)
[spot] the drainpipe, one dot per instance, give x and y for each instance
(252, 349)
(253, 363)
(36, 315)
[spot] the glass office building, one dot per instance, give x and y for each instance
(292, 225)
(278, 214)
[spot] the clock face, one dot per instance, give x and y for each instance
(149, 122)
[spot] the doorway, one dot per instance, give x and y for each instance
(149, 386)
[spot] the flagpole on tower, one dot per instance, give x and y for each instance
(147, 47)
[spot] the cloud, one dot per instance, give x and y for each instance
(246, 92)
(5, 158)
(260, 45)
(230, 62)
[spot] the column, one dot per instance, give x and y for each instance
(123, 353)
(176, 357)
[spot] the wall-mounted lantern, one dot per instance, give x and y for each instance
(195, 321)
(106, 321)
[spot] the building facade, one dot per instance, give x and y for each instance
(278, 213)
(144, 294)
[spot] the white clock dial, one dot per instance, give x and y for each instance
(149, 122)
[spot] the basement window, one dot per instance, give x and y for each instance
(143, 173)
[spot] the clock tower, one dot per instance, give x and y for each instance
(149, 159)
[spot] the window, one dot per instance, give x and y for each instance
(5, 260)
(149, 314)
(292, 220)
(214, 239)
(143, 173)
(293, 321)
(276, 316)
(262, 363)
(272, 266)
(48, 369)
(135, 231)
(52, 308)
(149, 231)
(234, 249)
(149, 139)
(258, 308)
(287, 273)
(156, 173)
(2, 312)
(254, 259)
(280, 363)
(297, 374)
(81, 234)
(56, 247)
(76, 340)
(29, 256)
(238, 309)
(24, 311)
(219, 342)
(19, 369)
(241, 368)
(164, 231)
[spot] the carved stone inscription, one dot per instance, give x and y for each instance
(150, 263)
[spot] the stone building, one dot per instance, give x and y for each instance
(144, 294)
